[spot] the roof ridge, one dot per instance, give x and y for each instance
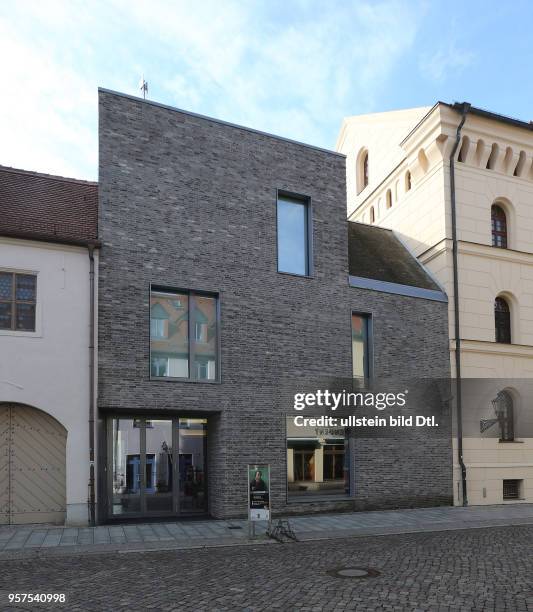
(55, 177)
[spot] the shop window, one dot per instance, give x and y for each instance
(318, 462)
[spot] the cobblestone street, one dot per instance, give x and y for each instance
(478, 569)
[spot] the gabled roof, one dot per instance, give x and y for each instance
(45, 207)
(376, 253)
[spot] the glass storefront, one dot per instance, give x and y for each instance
(147, 477)
(318, 462)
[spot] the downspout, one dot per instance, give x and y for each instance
(465, 107)
(92, 497)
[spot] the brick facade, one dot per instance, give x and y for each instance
(190, 202)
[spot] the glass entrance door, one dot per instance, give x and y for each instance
(157, 466)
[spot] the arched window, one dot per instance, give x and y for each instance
(365, 169)
(502, 320)
(372, 215)
(362, 170)
(388, 198)
(407, 181)
(499, 226)
(503, 407)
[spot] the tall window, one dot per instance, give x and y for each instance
(183, 335)
(499, 227)
(407, 181)
(388, 198)
(365, 169)
(503, 406)
(17, 301)
(372, 215)
(502, 320)
(294, 235)
(361, 353)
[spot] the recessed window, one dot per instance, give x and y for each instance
(388, 198)
(503, 407)
(318, 462)
(372, 215)
(499, 226)
(294, 235)
(183, 335)
(361, 350)
(502, 320)
(407, 181)
(512, 489)
(17, 301)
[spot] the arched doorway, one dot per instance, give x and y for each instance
(32, 466)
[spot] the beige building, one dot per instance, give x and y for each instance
(410, 170)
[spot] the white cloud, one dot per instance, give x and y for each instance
(291, 68)
(446, 62)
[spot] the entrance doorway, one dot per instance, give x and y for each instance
(32, 466)
(157, 467)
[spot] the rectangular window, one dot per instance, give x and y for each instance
(318, 462)
(361, 349)
(183, 335)
(294, 251)
(17, 301)
(512, 489)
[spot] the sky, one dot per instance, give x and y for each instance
(293, 68)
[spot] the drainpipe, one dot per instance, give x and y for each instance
(464, 108)
(92, 502)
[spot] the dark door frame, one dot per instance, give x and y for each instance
(144, 513)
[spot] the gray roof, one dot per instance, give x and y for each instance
(376, 253)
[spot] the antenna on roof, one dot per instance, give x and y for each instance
(143, 86)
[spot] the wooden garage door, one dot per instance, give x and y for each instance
(33, 470)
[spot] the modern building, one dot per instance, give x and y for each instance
(229, 279)
(48, 267)
(455, 183)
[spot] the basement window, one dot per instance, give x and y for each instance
(512, 489)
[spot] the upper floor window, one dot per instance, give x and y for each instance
(407, 181)
(362, 170)
(17, 301)
(372, 215)
(499, 227)
(183, 335)
(361, 349)
(294, 235)
(502, 320)
(365, 169)
(388, 198)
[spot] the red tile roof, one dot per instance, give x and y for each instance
(46, 207)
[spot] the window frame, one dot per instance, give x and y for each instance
(499, 234)
(192, 293)
(498, 321)
(13, 330)
(307, 202)
(369, 369)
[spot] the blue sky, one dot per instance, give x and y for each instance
(292, 67)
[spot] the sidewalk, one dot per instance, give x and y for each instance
(17, 541)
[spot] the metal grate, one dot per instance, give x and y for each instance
(511, 489)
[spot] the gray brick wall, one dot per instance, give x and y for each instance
(190, 202)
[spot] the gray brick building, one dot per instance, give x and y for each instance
(203, 342)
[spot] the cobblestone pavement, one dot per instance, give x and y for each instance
(478, 569)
